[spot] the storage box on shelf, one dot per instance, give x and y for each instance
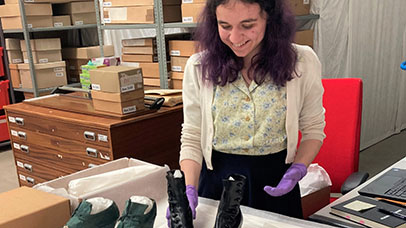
(81, 13)
(128, 11)
(14, 53)
(180, 51)
(49, 146)
(299, 7)
(304, 37)
(37, 15)
(191, 10)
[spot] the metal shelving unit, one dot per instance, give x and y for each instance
(26, 32)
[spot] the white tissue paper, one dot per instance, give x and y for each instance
(89, 184)
(315, 179)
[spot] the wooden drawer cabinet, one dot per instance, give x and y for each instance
(49, 143)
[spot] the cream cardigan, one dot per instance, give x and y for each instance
(304, 108)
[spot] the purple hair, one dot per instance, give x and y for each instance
(276, 59)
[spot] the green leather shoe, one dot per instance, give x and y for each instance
(84, 218)
(139, 212)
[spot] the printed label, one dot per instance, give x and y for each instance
(17, 146)
(107, 4)
(139, 85)
(29, 1)
(58, 24)
(96, 87)
(107, 20)
(78, 22)
(29, 25)
(129, 109)
(59, 74)
(127, 88)
(176, 68)
(44, 60)
(58, 69)
(22, 177)
(187, 1)
(175, 52)
(25, 60)
(20, 164)
(14, 133)
(102, 138)
(11, 119)
(16, 60)
(187, 19)
(306, 2)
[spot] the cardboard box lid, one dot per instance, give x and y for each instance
(28, 207)
(40, 66)
(138, 42)
(116, 79)
(13, 66)
(12, 44)
(113, 3)
(42, 44)
(119, 97)
(87, 52)
(13, 10)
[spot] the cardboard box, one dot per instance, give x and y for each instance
(154, 82)
(146, 50)
(15, 76)
(176, 75)
(299, 7)
(191, 12)
(32, 22)
(47, 74)
(193, 1)
(115, 3)
(60, 21)
(26, 207)
(178, 63)
(314, 201)
(12, 44)
(177, 84)
(87, 52)
(83, 18)
(116, 79)
(44, 56)
(184, 48)
(75, 64)
(40, 1)
(73, 7)
(139, 58)
(172, 13)
(129, 15)
(149, 70)
(138, 42)
(13, 10)
(126, 107)
(119, 97)
(42, 44)
(304, 37)
(15, 56)
(150, 183)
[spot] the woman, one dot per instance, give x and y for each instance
(245, 97)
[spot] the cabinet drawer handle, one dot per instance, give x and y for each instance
(30, 180)
(90, 135)
(25, 149)
(22, 135)
(28, 167)
(19, 121)
(91, 152)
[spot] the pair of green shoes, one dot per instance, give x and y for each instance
(139, 212)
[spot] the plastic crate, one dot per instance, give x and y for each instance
(4, 135)
(1, 62)
(4, 98)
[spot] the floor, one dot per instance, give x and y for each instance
(372, 160)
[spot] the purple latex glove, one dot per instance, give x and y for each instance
(191, 194)
(293, 175)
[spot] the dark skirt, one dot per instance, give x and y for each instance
(260, 171)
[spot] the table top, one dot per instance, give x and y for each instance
(325, 211)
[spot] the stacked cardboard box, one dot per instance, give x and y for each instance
(79, 13)
(50, 70)
(15, 56)
(139, 11)
(142, 53)
(304, 37)
(191, 10)
(180, 51)
(117, 89)
(299, 7)
(38, 15)
(76, 57)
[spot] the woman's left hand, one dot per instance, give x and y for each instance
(293, 175)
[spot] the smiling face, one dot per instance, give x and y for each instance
(241, 27)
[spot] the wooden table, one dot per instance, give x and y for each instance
(52, 142)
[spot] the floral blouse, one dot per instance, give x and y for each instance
(249, 120)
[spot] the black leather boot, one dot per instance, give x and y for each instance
(181, 214)
(229, 214)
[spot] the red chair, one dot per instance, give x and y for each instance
(339, 155)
